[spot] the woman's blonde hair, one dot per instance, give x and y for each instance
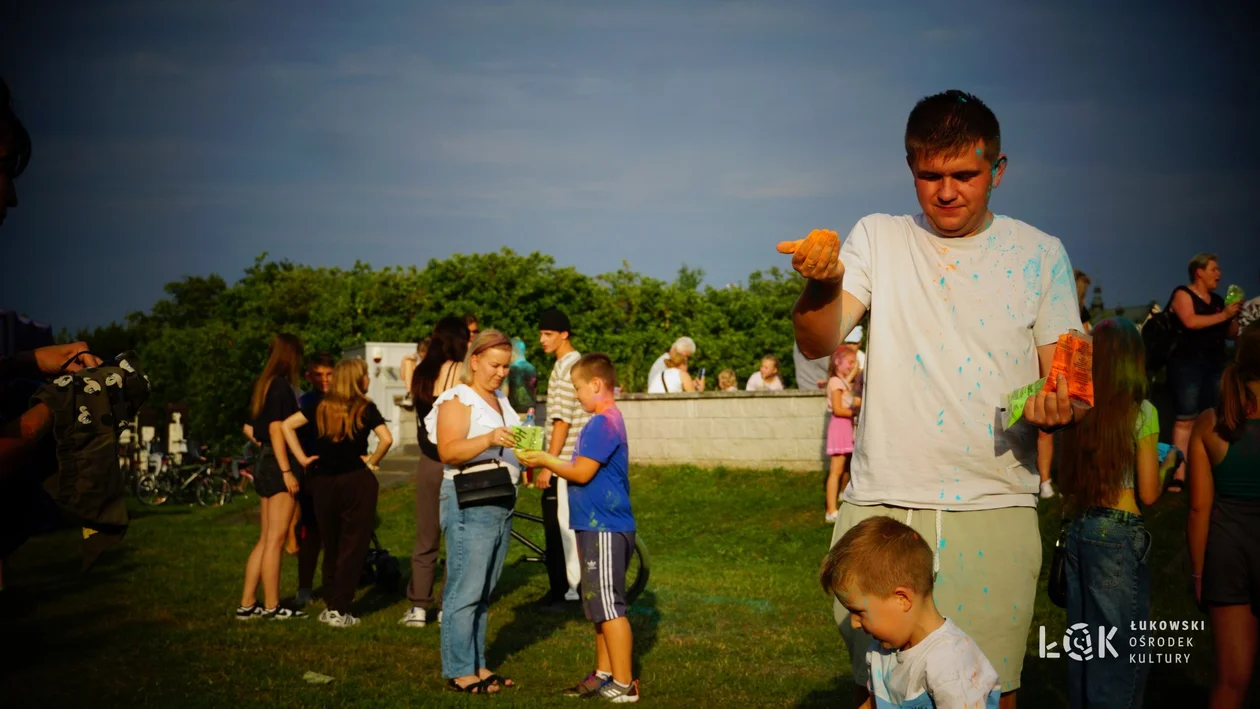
(484, 341)
(340, 413)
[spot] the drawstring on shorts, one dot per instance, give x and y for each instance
(936, 548)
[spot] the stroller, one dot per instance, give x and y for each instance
(381, 569)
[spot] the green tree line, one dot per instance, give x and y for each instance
(206, 341)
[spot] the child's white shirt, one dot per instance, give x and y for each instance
(946, 670)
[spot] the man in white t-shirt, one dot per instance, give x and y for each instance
(683, 348)
(965, 306)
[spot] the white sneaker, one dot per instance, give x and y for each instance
(417, 618)
(830, 517)
(323, 617)
(1047, 490)
(572, 595)
(338, 620)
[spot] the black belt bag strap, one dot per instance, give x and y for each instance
(490, 485)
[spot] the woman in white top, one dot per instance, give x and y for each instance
(674, 378)
(470, 424)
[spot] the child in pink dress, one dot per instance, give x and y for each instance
(843, 406)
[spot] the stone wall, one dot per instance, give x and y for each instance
(762, 430)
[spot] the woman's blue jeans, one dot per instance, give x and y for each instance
(476, 545)
(1109, 585)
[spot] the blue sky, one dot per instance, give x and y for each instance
(179, 138)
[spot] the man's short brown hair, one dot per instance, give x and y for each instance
(877, 556)
(596, 365)
(321, 359)
(1199, 261)
(950, 123)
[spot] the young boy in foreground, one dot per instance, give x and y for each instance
(599, 511)
(881, 571)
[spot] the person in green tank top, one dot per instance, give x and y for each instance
(1224, 522)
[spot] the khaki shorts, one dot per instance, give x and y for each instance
(987, 583)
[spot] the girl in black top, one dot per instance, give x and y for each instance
(274, 399)
(341, 481)
(1198, 359)
(436, 373)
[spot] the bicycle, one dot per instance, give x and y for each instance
(201, 481)
(637, 570)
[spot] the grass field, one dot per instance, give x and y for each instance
(733, 615)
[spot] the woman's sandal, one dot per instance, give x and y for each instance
(473, 688)
(499, 681)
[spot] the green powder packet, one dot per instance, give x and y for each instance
(1234, 295)
(528, 438)
(1013, 403)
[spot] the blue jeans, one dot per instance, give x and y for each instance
(1109, 585)
(1195, 384)
(476, 545)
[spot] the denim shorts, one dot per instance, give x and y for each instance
(1195, 384)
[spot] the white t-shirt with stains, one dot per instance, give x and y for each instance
(946, 670)
(954, 325)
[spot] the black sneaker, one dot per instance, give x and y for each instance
(248, 612)
(281, 613)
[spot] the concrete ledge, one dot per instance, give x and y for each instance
(761, 430)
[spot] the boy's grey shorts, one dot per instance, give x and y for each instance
(604, 557)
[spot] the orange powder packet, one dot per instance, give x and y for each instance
(1074, 359)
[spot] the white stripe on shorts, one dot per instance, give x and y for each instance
(605, 574)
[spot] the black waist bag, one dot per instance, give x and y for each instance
(488, 486)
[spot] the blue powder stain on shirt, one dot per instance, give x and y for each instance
(942, 494)
(960, 606)
(960, 369)
(981, 322)
(990, 430)
(942, 542)
(986, 590)
(942, 281)
(968, 359)
(975, 276)
(1017, 360)
(981, 553)
(957, 498)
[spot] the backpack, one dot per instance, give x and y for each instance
(88, 407)
(1160, 334)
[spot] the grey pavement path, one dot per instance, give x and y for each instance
(396, 469)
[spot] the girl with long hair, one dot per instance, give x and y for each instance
(435, 374)
(273, 400)
(1107, 463)
(842, 370)
(1224, 523)
(341, 481)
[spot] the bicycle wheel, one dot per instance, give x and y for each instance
(213, 490)
(152, 488)
(637, 570)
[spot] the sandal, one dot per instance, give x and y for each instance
(499, 681)
(474, 688)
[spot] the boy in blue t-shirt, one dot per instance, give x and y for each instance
(599, 512)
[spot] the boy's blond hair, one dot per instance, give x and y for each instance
(877, 556)
(596, 365)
